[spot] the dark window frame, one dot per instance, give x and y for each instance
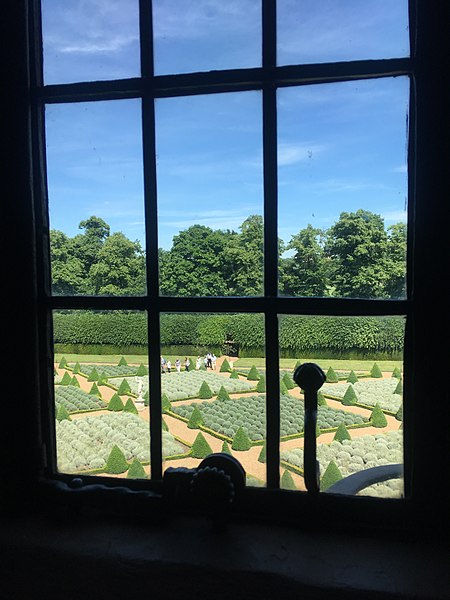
(416, 307)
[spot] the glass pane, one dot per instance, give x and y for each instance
(90, 41)
(213, 397)
(360, 414)
(315, 31)
(101, 413)
(210, 199)
(343, 188)
(192, 36)
(96, 198)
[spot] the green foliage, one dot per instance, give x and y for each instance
(262, 454)
(350, 396)
(288, 381)
(283, 389)
(122, 362)
(115, 403)
(94, 391)
(146, 398)
(124, 388)
(74, 381)
(331, 376)
(241, 441)
(399, 415)
(378, 417)
(225, 366)
(196, 419)
(253, 374)
(136, 470)
(352, 378)
(261, 385)
(76, 368)
(102, 379)
(165, 402)
(226, 448)
(396, 373)
(342, 433)
(399, 388)
(164, 426)
(205, 391)
(142, 370)
(200, 447)
(234, 374)
(331, 476)
(130, 407)
(375, 371)
(321, 400)
(287, 483)
(93, 375)
(62, 363)
(223, 394)
(62, 414)
(116, 462)
(66, 379)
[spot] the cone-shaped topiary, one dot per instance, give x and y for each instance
(116, 462)
(62, 362)
(375, 371)
(124, 388)
(396, 373)
(283, 389)
(225, 366)
(93, 375)
(74, 381)
(136, 470)
(234, 374)
(331, 476)
(62, 414)
(102, 378)
(253, 374)
(142, 370)
(76, 368)
(164, 425)
(399, 388)
(261, 385)
(378, 417)
(288, 381)
(205, 392)
(223, 394)
(331, 376)
(146, 399)
(350, 396)
(66, 379)
(94, 391)
(262, 454)
(200, 447)
(318, 430)
(297, 364)
(241, 441)
(123, 362)
(321, 400)
(115, 403)
(130, 407)
(226, 448)
(287, 483)
(341, 433)
(399, 415)
(352, 378)
(196, 419)
(165, 403)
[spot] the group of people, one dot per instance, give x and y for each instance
(209, 361)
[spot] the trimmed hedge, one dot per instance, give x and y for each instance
(287, 483)
(241, 441)
(136, 470)
(116, 462)
(331, 476)
(200, 447)
(377, 417)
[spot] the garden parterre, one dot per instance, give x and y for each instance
(369, 392)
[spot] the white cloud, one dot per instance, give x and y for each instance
(395, 216)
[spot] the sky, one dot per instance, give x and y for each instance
(341, 146)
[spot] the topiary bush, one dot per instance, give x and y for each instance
(350, 396)
(226, 448)
(62, 414)
(205, 392)
(146, 398)
(375, 371)
(262, 454)
(165, 403)
(241, 441)
(283, 389)
(288, 381)
(399, 388)
(331, 476)
(136, 470)
(378, 417)
(115, 404)
(93, 375)
(200, 447)
(331, 376)
(123, 362)
(130, 407)
(102, 378)
(225, 366)
(94, 391)
(142, 370)
(399, 415)
(223, 394)
(261, 385)
(76, 368)
(287, 483)
(321, 400)
(116, 462)
(234, 374)
(124, 388)
(196, 419)
(253, 374)
(352, 378)
(62, 363)
(74, 381)
(342, 433)
(396, 373)
(66, 379)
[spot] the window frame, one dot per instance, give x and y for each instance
(416, 307)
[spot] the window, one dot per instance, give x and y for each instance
(140, 102)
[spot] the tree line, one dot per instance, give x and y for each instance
(358, 256)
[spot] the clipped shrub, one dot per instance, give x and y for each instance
(130, 407)
(378, 417)
(226, 448)
(350, 396)
(331, 476)
(76, 368)
(396, 373)
(94, 391)
(66, 379)
(124, 388)
(331, 376)
(165, 403)
(287, 483)
(399, 388)
(122, 362)
(205, 391)
(342, 433)
(375, 371)
(225, 366)
(223, 394)
(93, 375)
(253, 374)
(399, 415)
(62, 363)
(352, 378)
(288, 381)
(196, 419)
(115, 404)
(241, 441)
(262, 454)
(62, 414)
(142, 370)
(321, 400)
(146, 399)
(261, 385)
(200, 447)
(234, 374)
(164, 425)
(283, 388)
(74, 381)
(136, 470)
(102, 378)
(297, 364)
(116, 462)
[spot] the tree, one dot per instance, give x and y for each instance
(67, 269)
(245, 255)
(396, 282)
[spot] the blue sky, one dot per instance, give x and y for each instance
(340, 146)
